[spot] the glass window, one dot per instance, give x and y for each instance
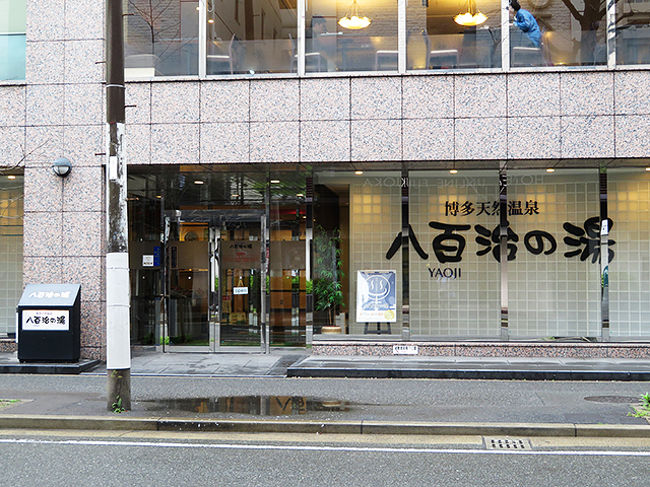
(446, 35)
(632, 32)
(12, 39)
(557, 33)
(554, 279)
(357, 283)
(351, 35)
(251, 36)
(161, 38)
(628, 206)
(11, 249)
(453, 253)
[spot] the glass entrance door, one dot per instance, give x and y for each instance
(239, 279)
(188, 286)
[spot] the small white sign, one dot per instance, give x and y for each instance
(240, 290)
(147, 261)
(405, 349)
(46, 320)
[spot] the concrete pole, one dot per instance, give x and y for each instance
(118, 351)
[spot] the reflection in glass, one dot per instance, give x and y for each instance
(632, 32)
(451, 34)
(161, 38)
(251, 36)
(362, 46)
(12, 39)
(11, 248)
(573, 34)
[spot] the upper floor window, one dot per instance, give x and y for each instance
(633, 32)
(12, 39)
(217, 37)
(161, 38)
(447, 35)
(351, 35)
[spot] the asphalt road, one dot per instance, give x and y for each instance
(364, 399)
(173, 459)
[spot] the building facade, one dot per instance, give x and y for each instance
(296, 179)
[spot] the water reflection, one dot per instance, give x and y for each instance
(255, 405)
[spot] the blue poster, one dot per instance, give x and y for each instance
(376, 297)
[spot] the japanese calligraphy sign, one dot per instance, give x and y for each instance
(45, 320)
(376, 297)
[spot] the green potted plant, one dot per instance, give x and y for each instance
(326, 286)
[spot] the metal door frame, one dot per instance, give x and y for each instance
(215, 220)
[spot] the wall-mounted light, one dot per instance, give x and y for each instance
(61, 167)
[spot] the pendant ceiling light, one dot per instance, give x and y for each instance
(471, 17)
(353, 20)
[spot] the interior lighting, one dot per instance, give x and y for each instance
(472, 17)
(353, 20)
(275, 181)
(453, 171)
(647, 169)
(198, 181)
(12, 177)
(358, 173)
(300, 195)
(550, 170)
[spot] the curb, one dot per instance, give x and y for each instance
(480, 374)
(332, 427)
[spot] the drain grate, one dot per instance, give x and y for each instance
(507, 444)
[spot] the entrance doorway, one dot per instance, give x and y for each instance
(220, 259)
(221, 289)
(213, 280)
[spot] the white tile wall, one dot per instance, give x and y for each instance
(375, 220)
(552, 295)
(628, 197)
(470, 305)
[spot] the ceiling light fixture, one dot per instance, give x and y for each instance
(472, 17)
(353, 20)
(11, 176)
(358, 173)
(198, 181)
(550, 170)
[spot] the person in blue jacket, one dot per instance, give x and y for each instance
(525, 21)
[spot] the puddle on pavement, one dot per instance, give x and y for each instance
(254, 405)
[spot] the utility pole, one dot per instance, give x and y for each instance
(118, 346)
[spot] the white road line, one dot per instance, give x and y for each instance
(230, 446)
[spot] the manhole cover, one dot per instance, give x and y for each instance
(507, 444)
(613, 399)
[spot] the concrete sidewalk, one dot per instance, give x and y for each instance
(251, 392)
